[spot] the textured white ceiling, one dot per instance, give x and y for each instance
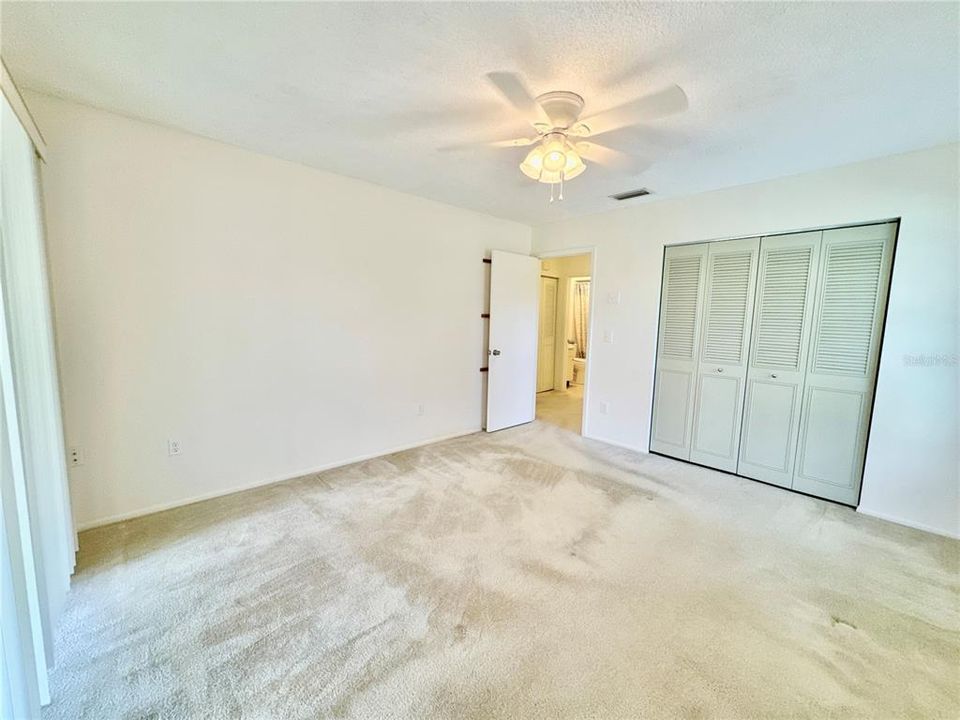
(371, 90)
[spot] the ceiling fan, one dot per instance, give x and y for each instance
(561, 137)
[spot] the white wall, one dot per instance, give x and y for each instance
(273, 318)
(911, 473)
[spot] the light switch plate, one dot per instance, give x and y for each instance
(608, 336)
(613, 297)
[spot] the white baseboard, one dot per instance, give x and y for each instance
(100, 522)
(625, 446)
(909, 523)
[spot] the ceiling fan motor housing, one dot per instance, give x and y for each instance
(562, 107)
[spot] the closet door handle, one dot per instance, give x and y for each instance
(719, 369)
(494, 352)
(773, 375)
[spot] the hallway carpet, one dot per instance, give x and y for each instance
(562, 408)
(525, 574)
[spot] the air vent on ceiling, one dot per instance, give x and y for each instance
(630, 194)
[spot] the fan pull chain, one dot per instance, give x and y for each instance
(551, 192)
(561, 184)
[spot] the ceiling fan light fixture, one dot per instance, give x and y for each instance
(553, 161)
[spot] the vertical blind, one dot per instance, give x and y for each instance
(38, 542)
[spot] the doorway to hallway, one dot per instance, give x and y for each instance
(563, 340)
(563, 408)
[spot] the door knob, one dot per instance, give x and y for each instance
(719, 369)
(494, 352)
(773, 375)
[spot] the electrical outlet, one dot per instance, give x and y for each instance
(613, 297)
(75, 456)
(421, 409)
(608, 336)
(173, 447)
(604, 407)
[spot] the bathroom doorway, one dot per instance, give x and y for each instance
(564, 339)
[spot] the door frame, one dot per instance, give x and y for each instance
(590, 250)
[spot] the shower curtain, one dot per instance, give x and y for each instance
(581, 306)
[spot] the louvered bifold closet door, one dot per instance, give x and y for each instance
(724, 345)
(677, 349)
(778, 356)
(842, 367)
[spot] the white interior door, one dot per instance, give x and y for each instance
(778, 356)
(724, 345)
(842, 368)
(514, 312)
(678, 349)
(547, 353)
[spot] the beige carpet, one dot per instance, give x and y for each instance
(527, 574)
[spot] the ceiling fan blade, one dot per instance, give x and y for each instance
(660, 104)
(516, 142)
(519, 142)
(610, 158)
(515, 91)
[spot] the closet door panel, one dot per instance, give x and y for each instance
(844, 352)
(769, 427)
(778, 351)
(718, 414)
(727, 316)
(677, 349)
(673, 397)
(831, 420)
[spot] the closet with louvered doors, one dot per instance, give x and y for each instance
(722, 367)
(768, 352)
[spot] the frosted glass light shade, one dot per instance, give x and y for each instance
(537, 166)
(532, 165)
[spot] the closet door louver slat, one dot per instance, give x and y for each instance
(848, 307)
(680, 309)
(730, 282)
(783, 299)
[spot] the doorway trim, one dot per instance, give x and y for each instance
(590, 250)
